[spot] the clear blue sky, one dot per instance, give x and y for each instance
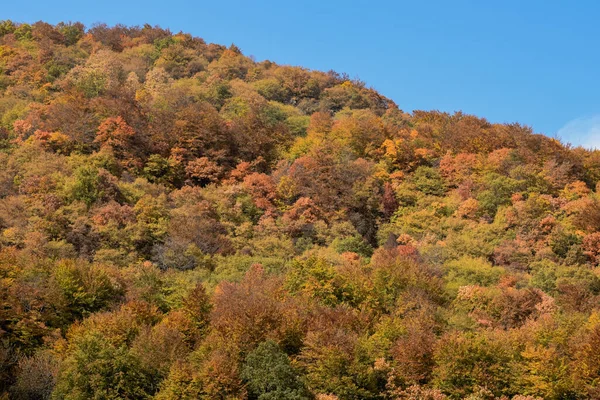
(529, 61)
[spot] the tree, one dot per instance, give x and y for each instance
(121, 138)
(203, 171)
(428, 181)
(585, 364)
(85, 288)
(390, 204)
(270, 375)
(247, 313)
(466, 362)
(95, 368)
(90, 185)
(36, 376)
(197, 305)
(591, 246)
(102, 73)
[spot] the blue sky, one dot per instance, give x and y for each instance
(534, 62)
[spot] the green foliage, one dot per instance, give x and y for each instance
(23, 32)
(158, 169)
(547, 276)
(355, 244)
(86, 288)
(471, 271)
(233, 268)
(498, 192)
(85, 185)
(428, 181)
(562, 242)
(97, 369)
(319, 279)
(270, 375)
(477, 242)
(12, 109)
(544, 276)
(272, 89)
(6, 27)
(71, 32)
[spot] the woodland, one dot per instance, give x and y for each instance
(180, 221)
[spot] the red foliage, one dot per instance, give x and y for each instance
(262, 189)
(117, 135)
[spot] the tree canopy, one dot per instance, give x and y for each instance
(180, 221)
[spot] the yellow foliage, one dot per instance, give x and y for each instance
(593, 320)
(286, 189)
(397, 176)
(389, 148)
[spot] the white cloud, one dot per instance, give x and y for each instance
(584, 131)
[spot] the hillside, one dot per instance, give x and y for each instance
(179, 221)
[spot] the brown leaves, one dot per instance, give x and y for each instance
(591, 247)
(117, 135)
(204, 171)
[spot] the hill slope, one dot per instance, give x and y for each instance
(178, 221)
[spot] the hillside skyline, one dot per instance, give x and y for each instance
(516, 63)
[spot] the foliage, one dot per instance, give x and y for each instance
(270, 375)
(179, 221)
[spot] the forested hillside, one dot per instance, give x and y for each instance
(179, 221)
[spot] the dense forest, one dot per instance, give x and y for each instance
(179, 221)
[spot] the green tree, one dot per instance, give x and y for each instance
(96, 369)
(428, 181)
(270, 375)
(86, 185)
